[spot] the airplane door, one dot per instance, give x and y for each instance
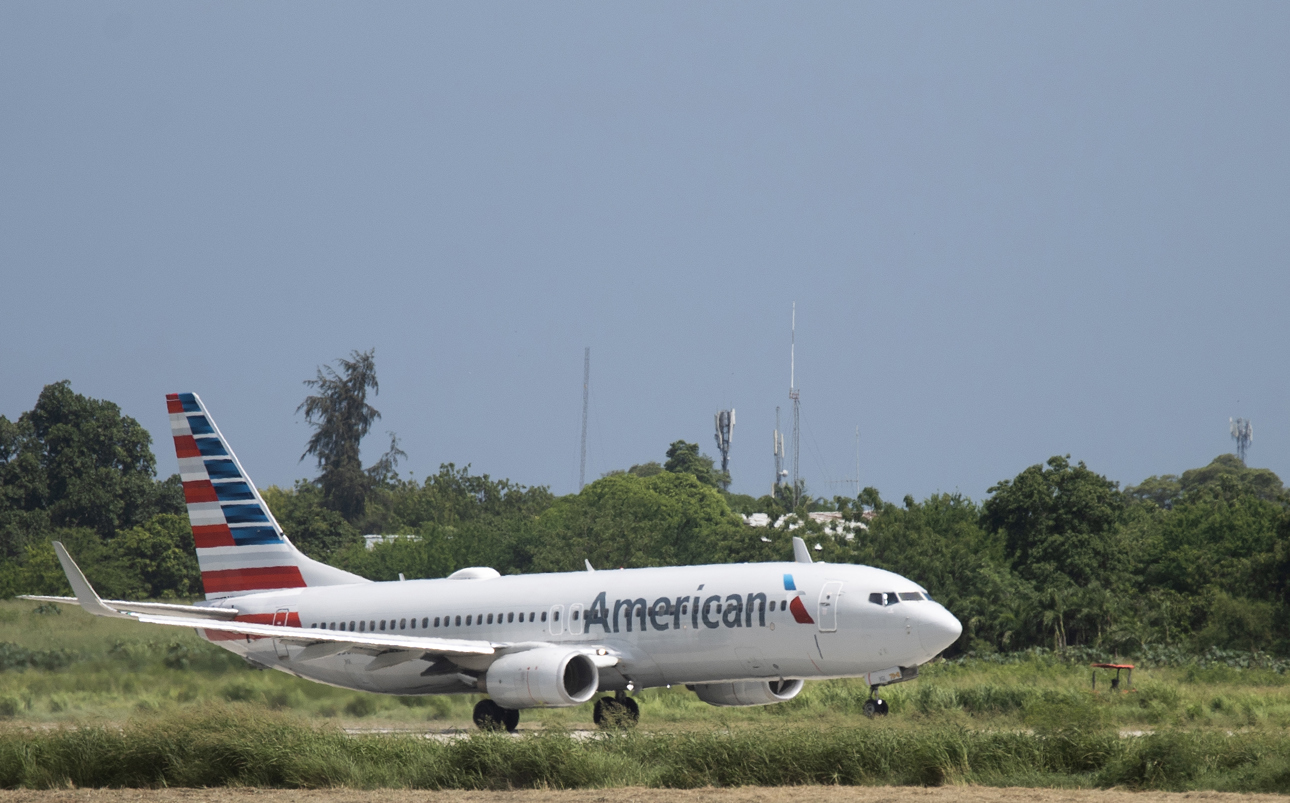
(280, 620)
(575, 618)
(553, 621)
(828, 617)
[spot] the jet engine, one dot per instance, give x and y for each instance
(747, 692)
(548, 676)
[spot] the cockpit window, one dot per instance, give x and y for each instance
(886, 598)
(912, 596)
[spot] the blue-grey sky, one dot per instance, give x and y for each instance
(1012, 230)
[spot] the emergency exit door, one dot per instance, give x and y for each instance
(828, 611)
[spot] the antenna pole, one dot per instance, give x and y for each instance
(586, 383)
(779, 455)
(1243, 434)
(857, 461)
(797, 412)
(725, 420)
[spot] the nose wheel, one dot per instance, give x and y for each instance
(489, 716)
(619, 712)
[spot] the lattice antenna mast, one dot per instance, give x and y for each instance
(1243, 434)
(797, 412)
(779, 455)
(725, 420)
(586, 383)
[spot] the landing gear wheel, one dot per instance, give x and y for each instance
(616, 714)
(489, 716)
(875, 708)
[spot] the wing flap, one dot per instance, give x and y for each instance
(145, 607)
(300, 635)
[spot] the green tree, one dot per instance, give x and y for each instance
(670, 519)
(314, 528)
(684, 458)
(160, 557)
(341, 417)
(1059, 521)
(74, 461)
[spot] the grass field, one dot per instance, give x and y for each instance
(147, 706)
(743, 794)
(71, 667)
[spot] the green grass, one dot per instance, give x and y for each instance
(244, 746)
(100, 702)
(70, 667)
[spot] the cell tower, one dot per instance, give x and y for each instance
(725, 429)
(779, 455)
(1243, 434)
(797, 411)
(586, 383)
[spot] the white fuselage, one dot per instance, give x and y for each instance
(692, 624)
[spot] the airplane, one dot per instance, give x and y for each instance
(735, 634)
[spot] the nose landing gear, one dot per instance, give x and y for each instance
(619, 712)
(874, 706)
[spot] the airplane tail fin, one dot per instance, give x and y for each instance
(240, 547)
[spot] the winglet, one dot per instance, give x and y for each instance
(81, 587)
(800, 553)
(584, 560)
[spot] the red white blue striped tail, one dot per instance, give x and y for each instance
(240, 547)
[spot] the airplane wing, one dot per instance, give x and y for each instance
(319, 643)
(197, 611)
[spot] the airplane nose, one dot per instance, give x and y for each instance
(938, 628)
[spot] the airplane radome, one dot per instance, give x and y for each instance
(738, 634)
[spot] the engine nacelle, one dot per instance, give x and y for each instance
(549, 676)
(765, 692)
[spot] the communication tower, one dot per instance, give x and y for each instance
(586, 383)
(725, 420)
(1243, 434)
(779, 455)
(797, 411)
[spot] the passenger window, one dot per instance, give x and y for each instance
(403, 624)
(362, 627)
(685, 608)
(510, 617)
(543, 616)
(333, 626)
(425, 622)
(371, 625)
(382, 624)
(575, 615)
(556, 617)
(531, 615)
(313, 626)
(457, 622)
(351, 627)
(490, 618)
(467, 620)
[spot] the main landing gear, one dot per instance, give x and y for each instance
(619, 712)
(489, 716)
(874, 707)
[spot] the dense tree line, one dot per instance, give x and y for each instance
(1056, 556)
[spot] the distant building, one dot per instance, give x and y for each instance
(370, 541)
(833, 523)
